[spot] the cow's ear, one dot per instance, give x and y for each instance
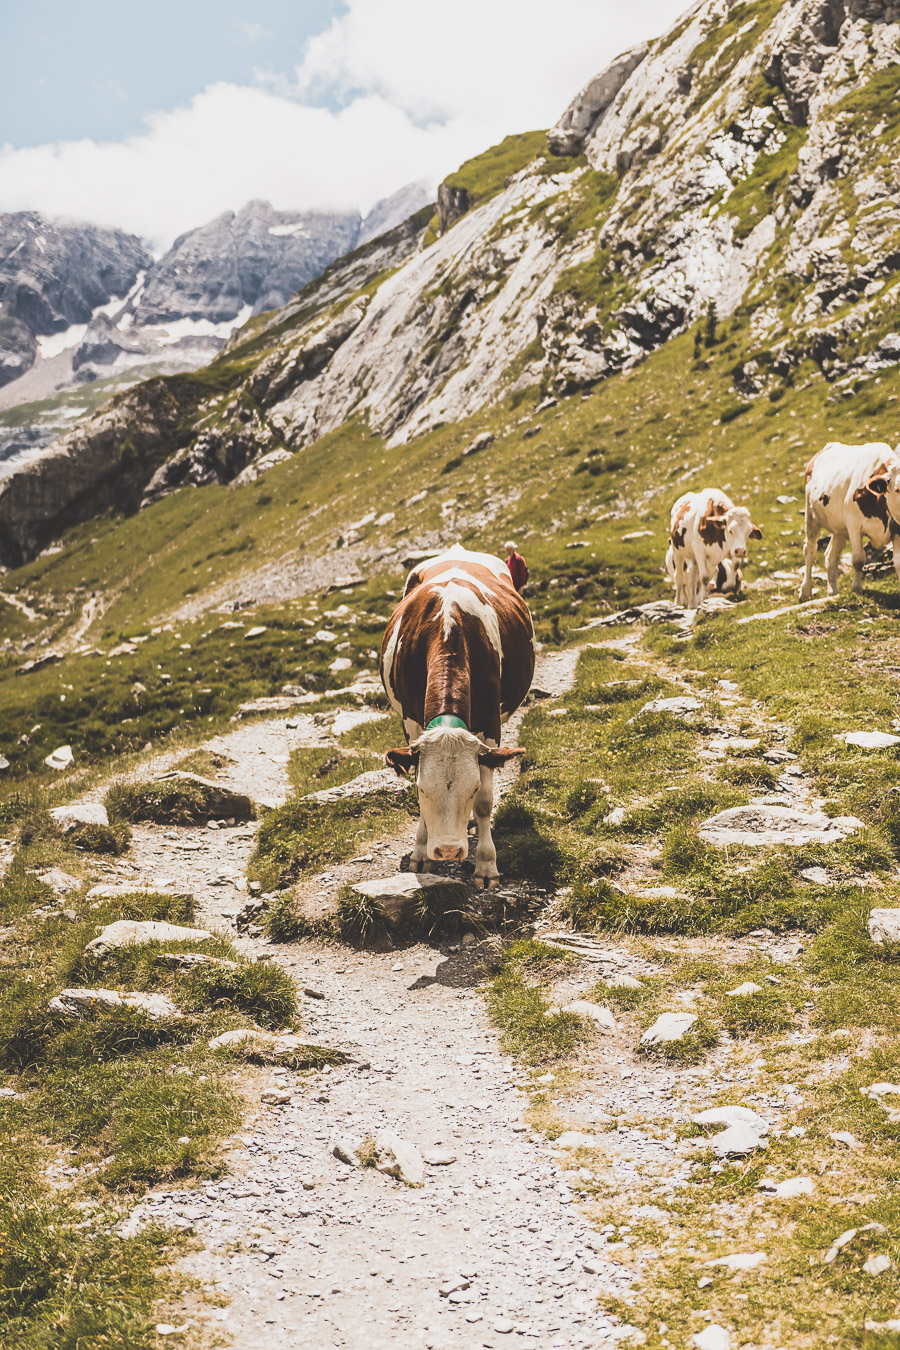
(756, 532)
(412, 581)
(401, 760)
(495, 759)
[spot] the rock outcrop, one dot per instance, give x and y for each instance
(569, 134)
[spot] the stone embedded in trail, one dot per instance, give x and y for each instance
(60, 882)
(679, 706)
(868, 740)
(275, 1097)
(84, 1002)
(81, 813)
(439, 1157)
(577, 1139)
(668, 1027)
(739, 744)
(138, 932)
(744, 990)
(395, 896)
(60, 758)
(398, 1158)
(759, 824)
(884, 926)
(345, 1151)
(364, 785)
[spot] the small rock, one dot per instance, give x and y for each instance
(81, 813)
(398, 1158)
(623, 982)
(191, 960)
(438, 1157)
(453, 1286)
(60, 758)
(275, 1097)
(745, 989)
(313, 993)
(167, 1329)
(846, 1138)
(503, 1326)
(138, 932)
(84, 1002)
(345, 1151)
(349, 721)
(364, 785)
(255, 632)
(736, 1142)
(730, 1116)
(594, 1012)
(892, 1325)
(878, 1091)
(740, 1260)
(668, 1027)
(884, 926)
(712, 1337)
(577, 1139)
(269, 1046)
(817, 876)
(791, 1188)
(877, 1264)
(868, 740)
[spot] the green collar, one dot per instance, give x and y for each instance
(447, 720)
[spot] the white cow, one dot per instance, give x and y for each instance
(853, 491)
(707, 529)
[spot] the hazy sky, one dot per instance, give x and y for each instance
(158, 117)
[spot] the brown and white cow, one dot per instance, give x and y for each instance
(456, 661)
(728, 580)
(853, 491)
(707, 529)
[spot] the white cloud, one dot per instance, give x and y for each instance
(419, 89)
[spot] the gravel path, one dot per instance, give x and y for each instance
(309, 1251)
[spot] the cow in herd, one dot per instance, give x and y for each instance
(456, 661)
(458, 653)
(708, 543)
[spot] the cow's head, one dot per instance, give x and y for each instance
(448, 762)
(738, 530)
(884, 483)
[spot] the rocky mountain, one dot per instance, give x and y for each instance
(54, 275)
(742, 168)
(99, 297)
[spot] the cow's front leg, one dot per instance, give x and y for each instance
(486, 875)
(418, 859)
(858, 550)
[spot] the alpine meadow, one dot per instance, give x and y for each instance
(330, 1014)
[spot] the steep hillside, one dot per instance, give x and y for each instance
(741, 167)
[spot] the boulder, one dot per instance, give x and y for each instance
(764, 825)
(884, 926)
(60, 758)
(46, 659)
(737, 1141)
(138, 932)
(85, 1002)
(395, 897)
(668, 1027)
(594, 1012)
(480, 443)
(80, 813)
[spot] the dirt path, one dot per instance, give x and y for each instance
(347, 1257)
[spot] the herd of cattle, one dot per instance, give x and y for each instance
(458, 653)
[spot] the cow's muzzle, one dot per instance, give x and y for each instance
(740, 554)
(447, 853)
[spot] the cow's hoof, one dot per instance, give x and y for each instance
(487, 883)
(415, 864)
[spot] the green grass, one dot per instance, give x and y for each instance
(484, 175)
(518, 1007)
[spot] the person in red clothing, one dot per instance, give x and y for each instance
(518, 569)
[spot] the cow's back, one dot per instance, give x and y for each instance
(463, 607)
(836, 482)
